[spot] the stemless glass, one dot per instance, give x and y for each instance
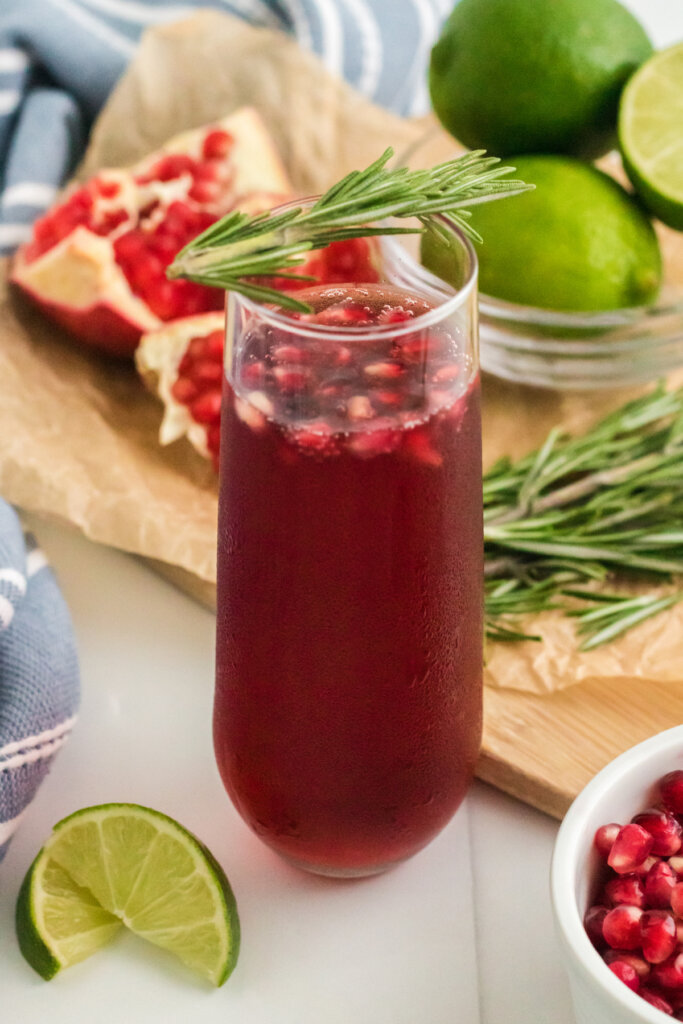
(347, 715)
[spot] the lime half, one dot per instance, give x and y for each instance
(651, 134)
(124, 864)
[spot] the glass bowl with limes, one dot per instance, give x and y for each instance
(581, 280)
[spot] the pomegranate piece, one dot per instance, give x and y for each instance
(656, 1000)
(630, 849)
(671, 791)
(658, 935)
(669, 974)
(677, 899)
(664, 828)
(604, 838)
(627, 889)
(593, 921)
(96, 261)
(626, 973)
(621, 927)
(659, 883)
(639, 965)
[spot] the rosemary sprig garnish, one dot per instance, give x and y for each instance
(243, 246)
(607, 505)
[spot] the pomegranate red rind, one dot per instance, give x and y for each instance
(96, 261)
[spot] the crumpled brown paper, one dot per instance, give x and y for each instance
(80, 432)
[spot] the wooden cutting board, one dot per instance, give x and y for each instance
(544, 749)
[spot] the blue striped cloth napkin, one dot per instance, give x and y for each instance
(60, 58)
(39, 681)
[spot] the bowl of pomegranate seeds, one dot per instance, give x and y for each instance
(617, 887)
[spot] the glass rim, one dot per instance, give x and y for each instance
(452, 300)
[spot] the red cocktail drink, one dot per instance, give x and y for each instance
(349, 646)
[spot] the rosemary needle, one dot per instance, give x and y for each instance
(604, 505)
(242, 246)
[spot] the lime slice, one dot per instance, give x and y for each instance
(651, 134)
(124, 864)
(59, 922)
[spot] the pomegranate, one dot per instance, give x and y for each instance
(96, 261)
(636, 919)
(181, 361)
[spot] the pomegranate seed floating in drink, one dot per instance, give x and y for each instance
(636, 920)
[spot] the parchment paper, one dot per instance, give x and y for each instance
(80, 432)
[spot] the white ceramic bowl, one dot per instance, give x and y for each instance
(622, 789)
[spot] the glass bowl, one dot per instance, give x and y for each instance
(575, 351)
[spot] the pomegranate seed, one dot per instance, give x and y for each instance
(592, 922)
(254, 374)
(677, 899)
(107, 189)
(169, 167)
(671, 790)
(625, 973)
(316, 439)
(184, 390)
(207, 371)
(621, 927)
(290, 354)
(250, 415)
(659, 883)
(639, 965)
(359, 407)
(446, 374)
(417, 444)
(630, 849)
(664, 828)
(670, 973)
(207, 408)
(676, 865)
(626, 889)
(658, 932)
(654, 999)
(646, 866)
(368, 443)
(292, 381)
(217, 144)
(205, 191)
(604, 838)
(390, 398)
(384, 370)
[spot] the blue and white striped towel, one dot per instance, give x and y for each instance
(60, 58)
(39, 682)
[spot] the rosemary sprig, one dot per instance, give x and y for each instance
(605, 505)
(243, 246)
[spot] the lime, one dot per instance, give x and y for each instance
(59, 922)
(651, 134)
(579, 241)
(523, 76)
(125, 864)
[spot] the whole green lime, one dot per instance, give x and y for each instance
(535, 76)
(578, 242)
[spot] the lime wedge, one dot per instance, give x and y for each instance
(58, 922)
(124, 864)
(651, 134)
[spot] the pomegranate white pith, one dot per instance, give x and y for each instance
(96, 261)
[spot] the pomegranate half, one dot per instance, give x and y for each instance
(96, 260)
